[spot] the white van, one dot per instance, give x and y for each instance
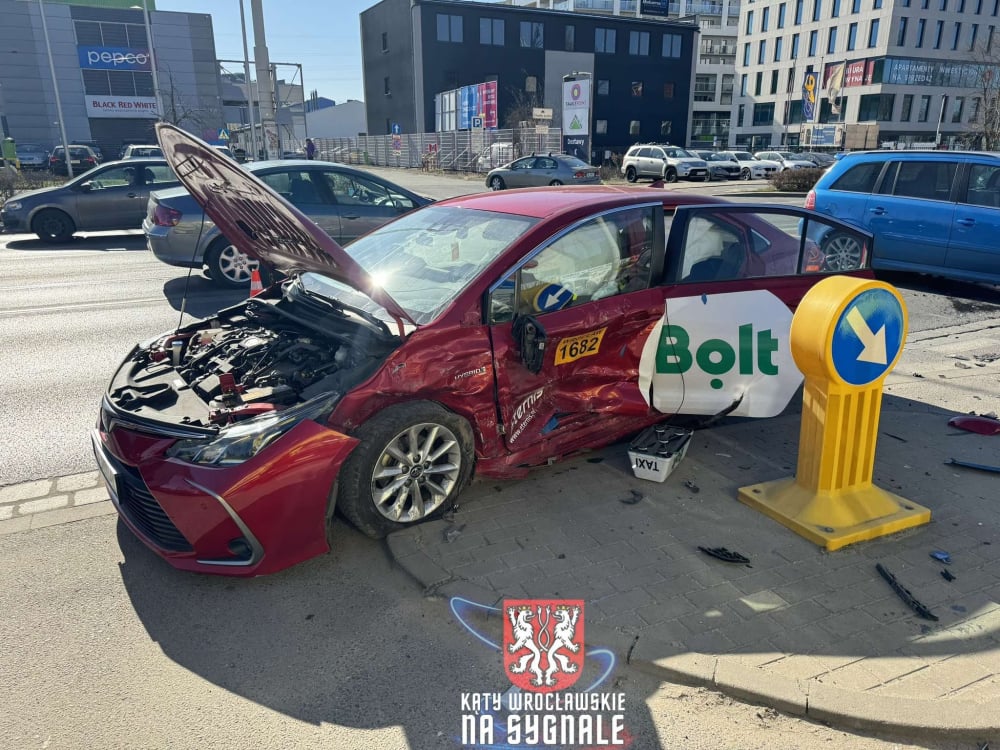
(494, 155)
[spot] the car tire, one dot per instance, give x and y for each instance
(227, 266)
(745, 174)
(53, 225)
(556, 182)
(497, 183)
(842, 252)
(631, 175)
(383, 466)
(670, 175)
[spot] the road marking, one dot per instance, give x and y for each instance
(16, 311)
(873, 343)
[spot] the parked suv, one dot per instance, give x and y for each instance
(662, 162)
(935, 212)
(81, 157)
(786, 159)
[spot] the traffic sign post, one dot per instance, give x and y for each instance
(846, 336)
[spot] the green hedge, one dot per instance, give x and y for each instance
(796, 180)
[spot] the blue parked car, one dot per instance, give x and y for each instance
(934, 212)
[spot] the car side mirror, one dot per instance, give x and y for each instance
(86, 187)
(529, 337)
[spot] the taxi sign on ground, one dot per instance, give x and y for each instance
(847, 334)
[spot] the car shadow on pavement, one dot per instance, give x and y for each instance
(198, 296)
(961, 292)
(107, 243)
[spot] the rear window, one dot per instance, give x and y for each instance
(574, 163)
(859, 179)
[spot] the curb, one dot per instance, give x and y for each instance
(840, 708)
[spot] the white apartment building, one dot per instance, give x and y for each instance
(715, 74)
(883, 73)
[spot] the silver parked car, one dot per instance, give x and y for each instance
(32, 156)
(345, 202)
(535, 171)
(720, 166)
(107, 197)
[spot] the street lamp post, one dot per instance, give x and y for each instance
(249, 84)
(55, 86)
(937, 133)
(152, 60)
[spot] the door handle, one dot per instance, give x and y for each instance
(134, 195)
(966, 222)
(878, 211)
(351, 216)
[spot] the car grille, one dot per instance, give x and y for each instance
(141, 508)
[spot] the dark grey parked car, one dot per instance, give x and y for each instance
(344, 201)
(107, 197)
(536, 171)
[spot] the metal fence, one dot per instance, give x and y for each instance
(459, 151)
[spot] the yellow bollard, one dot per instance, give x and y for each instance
(846, 336)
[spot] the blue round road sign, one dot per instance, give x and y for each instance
(553, 297)
(868, 336)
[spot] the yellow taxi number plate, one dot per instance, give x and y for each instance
(577, 347)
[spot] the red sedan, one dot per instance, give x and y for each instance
(479, 335)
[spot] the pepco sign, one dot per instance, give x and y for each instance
(113, 58)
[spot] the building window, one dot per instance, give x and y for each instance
(973, 33)
(727, 89)
(876, 4)
(835, 13)
(876, 107)
(979, 7)
(831, 40)
(781, 16)
(921, 25)
(761, 51)
(961, 6)
(601, 127)
(746, 55)
(856, 6)
(531, 84)
(989, 39)
(817, 9)
(763, 114)
(449, 28)
(765, 19)
(795, 46)
(906, 3)
(924, 109)
(958, 32)
(956, 110)
(813, 36)
(672, 45)
(758, 83)
(571, 40)
(491, 31)
(774, 81)
(944, 5)
(996, 7)
(741, 115)
(924, 4)
(704, 88)
(873, 33)
(974, 109)
(385, 41)
(901, 32)
(532, 35)
(604, 41)
(603, 87)
(938, 33)
(633, 127)
(637, 89)
(638, 43)
(385, 83)
(668, 90)
(798, 12)
(852, 36)
(743, 87)
(666, 126)
(907, 111)
(777, 49)
(749, 22)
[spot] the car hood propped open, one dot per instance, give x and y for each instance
(260, 222)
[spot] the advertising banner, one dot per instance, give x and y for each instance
(121, 106)
(113, 58)
(488, 104)
(834, 86)
(809, 97)
(576, 118)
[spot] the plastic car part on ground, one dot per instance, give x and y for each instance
(904, 593)
(978, 424)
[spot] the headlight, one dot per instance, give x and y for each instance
(12, 206)
(242, 441)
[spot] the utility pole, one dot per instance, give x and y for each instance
(55, 86)
(265, 87)
(249, 85)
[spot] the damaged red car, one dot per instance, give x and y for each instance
(480, 335)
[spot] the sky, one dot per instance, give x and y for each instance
(323, 35)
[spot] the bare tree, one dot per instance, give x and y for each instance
(178, 109)
(984, 126)
(523, 102)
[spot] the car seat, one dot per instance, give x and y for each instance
(302, 191)
(148, 176)
(726, 266)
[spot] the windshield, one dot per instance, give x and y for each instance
(744, 156)
(788, 155)
(425, 259)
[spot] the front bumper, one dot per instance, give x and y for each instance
(250, 519)
(12, 222)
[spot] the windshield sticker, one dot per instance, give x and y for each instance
(708, 352)
(572, 348)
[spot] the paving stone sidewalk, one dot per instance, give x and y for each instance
(47, 502)
(804, 630)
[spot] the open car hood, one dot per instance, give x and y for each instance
(260, 222)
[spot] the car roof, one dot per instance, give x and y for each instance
(905, 153)
(543, 202)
